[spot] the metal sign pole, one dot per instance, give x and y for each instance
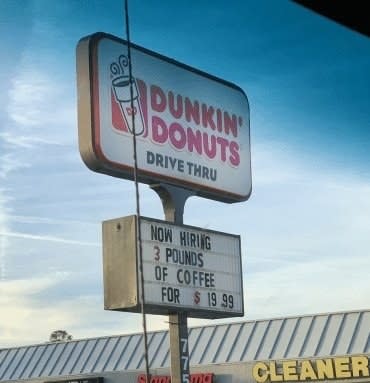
(173, 201)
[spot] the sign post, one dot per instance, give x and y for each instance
(173, 201)
(179, 348)
(192, 131)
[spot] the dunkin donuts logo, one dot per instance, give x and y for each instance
(123, 109)
(166, 117)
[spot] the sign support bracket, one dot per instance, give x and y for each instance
(173, 201)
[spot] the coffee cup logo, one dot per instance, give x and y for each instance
(122, 88)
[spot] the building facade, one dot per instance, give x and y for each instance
(330, 347)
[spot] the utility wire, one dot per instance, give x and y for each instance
(138, 245)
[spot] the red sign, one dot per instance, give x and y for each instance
(194, 378)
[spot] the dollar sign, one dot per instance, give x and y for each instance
(197, 297)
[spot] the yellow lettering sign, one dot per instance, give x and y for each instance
(290, 370)
(342, 368)
(325, 369)
(259, 372)
(317, 369)
(274, 376)
(307, 371)
(360, 366)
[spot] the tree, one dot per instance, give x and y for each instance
(60, 336)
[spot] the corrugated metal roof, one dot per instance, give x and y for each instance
(302, 336)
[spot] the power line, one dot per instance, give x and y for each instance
(138, 243)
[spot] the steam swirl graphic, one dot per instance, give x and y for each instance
(118, 68)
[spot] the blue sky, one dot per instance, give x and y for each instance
(305, 229)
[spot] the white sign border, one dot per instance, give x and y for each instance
(193, 311)
(89, 126)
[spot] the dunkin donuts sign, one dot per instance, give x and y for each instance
(192, 129)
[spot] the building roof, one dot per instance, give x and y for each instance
(293, 337)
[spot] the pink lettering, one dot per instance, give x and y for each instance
(158, 99)
(184, 136)
(209, 145)
(177, 136)
(194, 140)
(159, 130)
(192, 111)
(207, 116)
(144, 103)
(230, 124)
(234, 153)
(219, 120)
(223, 144)
(176, 111)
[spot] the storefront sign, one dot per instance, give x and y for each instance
(185, 268)
(317, 369)
(194, 378)
(192, 128)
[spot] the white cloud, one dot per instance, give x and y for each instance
(308, 286)
(305, 235)
(3, 249)
(45, 220)
(40, 108)
(304, 242)
(37, 114)
(25, 142)
(47, 238)
(4, 243)
(22, 321)
(29, 95)
(11, 163)
(28, 320)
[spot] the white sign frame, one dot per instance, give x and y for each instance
(192, 128)
(186, 269)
